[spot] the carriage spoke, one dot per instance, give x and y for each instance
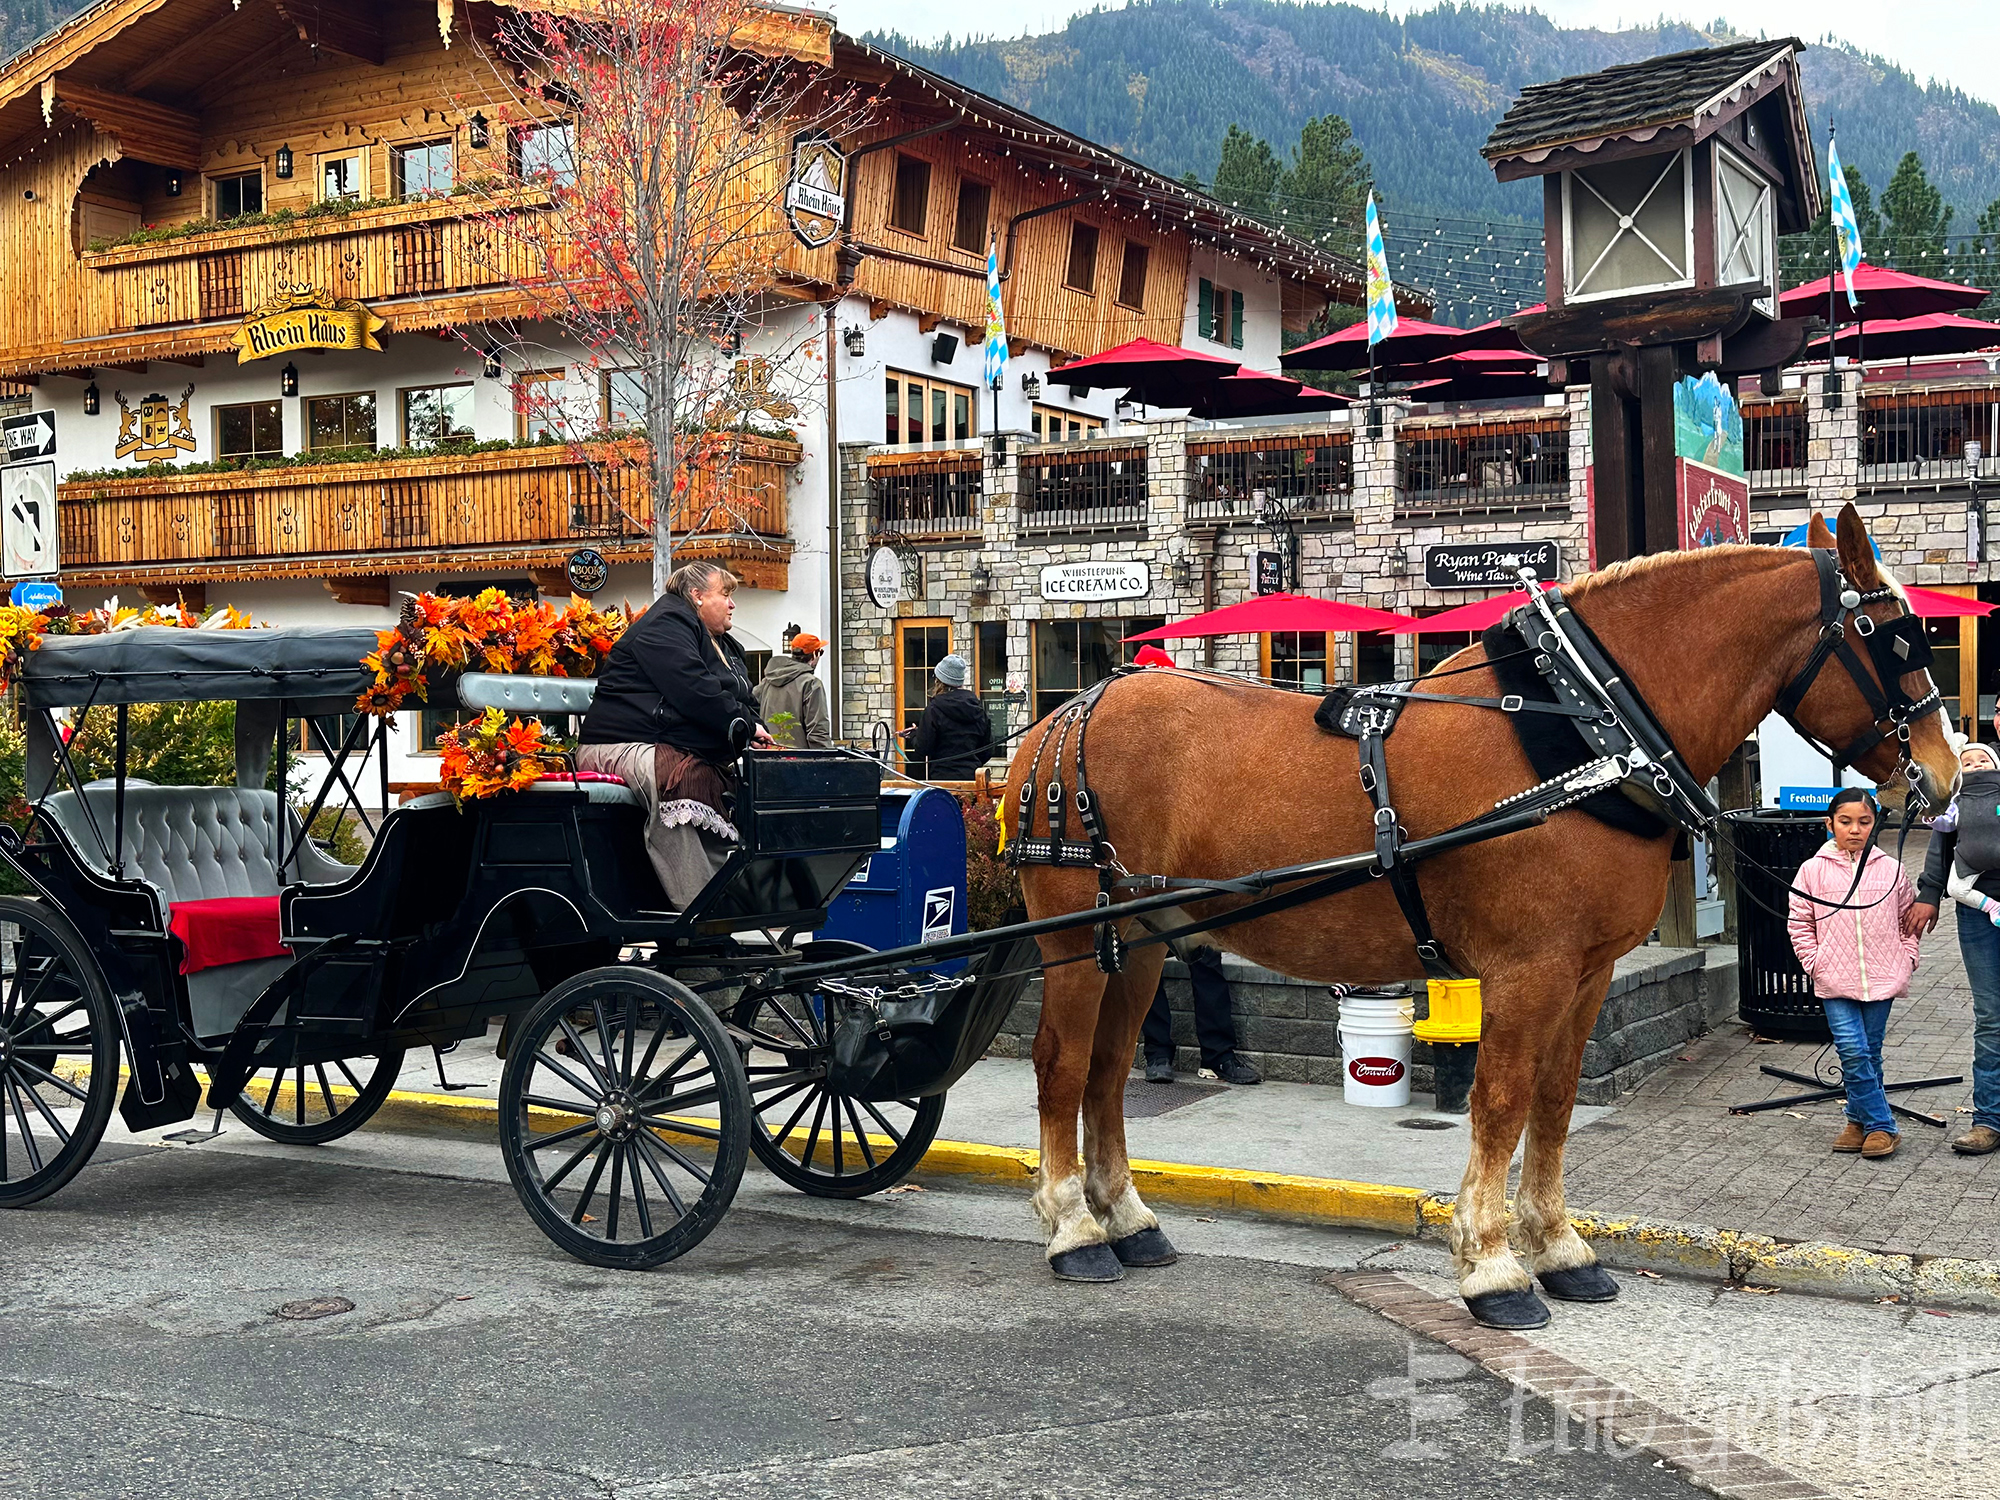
(299, 1094)
(609, 1054)
(68, 1088)
(570, 1165)
(348, 1073)
(772, 1101)
(48, 1023)
(812, 1139)
(561, 1135)
(889, 1130)
(631, 1025)
(617, 1154)
(684, 1101)
(682, 1127)
(21, 1115)
(781, 1136)
(326, 1090)
(590, 1184)
(683, 1162)
(62, 1136)
(271, 1099)
(560, 1106)
(834, 1099)
(659, 1176)
(589, 1091)
(639, 1194)
(581, 1053)
(660, 1031)
(860, 1135)
(642, 1086)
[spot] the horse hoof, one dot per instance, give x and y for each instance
(1591, 1283)
(1145, 1247)
(1518, 1309)
(1086, 1263)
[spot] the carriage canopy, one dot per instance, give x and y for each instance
(164, 664)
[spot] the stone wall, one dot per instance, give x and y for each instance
(1660, 999)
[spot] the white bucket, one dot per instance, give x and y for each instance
(1375, 1049)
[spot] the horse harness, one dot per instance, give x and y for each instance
(1630, 751)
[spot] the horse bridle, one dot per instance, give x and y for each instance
(1895, 648)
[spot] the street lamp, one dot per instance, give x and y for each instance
(288, 380)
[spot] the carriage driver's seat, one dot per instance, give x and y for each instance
(210, 854)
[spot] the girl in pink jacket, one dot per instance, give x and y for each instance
(1859, 960)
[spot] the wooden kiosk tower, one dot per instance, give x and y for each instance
(1666, 184)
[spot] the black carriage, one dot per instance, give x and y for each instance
(192, 939)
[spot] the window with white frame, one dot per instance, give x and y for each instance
(1745, 237)
(437, 414)
(342, 177)
(1629, 227)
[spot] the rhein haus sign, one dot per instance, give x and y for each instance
(306, 318)
(1489, 565)
(1085, 582)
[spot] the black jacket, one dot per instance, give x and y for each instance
(952, 738)
(664, 683)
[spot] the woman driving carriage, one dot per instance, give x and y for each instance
(673, 701)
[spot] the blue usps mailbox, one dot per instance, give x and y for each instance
(913, 889)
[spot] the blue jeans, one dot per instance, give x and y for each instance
(1858, 1027)
(1979, 946)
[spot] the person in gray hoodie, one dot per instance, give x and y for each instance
(791, 686)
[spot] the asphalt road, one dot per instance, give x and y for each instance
(793, 1354)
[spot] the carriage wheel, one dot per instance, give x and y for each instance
(821, 1142)
(627, 1143)
(309, 1104)
(56, 1022)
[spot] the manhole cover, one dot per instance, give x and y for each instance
(308, 1308)
(1423, 1124)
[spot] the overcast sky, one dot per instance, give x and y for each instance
(1954, 41)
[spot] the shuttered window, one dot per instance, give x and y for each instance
(1219, 315)
(1082, 273)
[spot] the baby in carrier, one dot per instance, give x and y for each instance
(1974, 815)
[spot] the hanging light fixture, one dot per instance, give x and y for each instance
(494, 370)
(92, 399)
(173, 184)
(476, 131)
(282, 163)
(855, 339)
(1031, 385)
(288, 380)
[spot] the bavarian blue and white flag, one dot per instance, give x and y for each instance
(1841, 205)
(1381, 295)
(996, 320)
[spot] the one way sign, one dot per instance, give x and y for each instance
(31, 435)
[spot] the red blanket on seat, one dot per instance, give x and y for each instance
(227, 930)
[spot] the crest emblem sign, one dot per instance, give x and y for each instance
(816, 194)
(157, 430)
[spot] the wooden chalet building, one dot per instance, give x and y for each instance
(146, 145)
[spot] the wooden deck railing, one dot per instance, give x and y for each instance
(405, 512)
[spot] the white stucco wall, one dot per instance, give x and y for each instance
(1263, 299)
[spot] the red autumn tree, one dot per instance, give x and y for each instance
(641, 215)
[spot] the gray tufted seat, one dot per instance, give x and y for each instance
(195, 843)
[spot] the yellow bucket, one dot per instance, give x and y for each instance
(1454, 1013)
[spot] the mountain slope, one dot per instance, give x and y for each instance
(1162, 80)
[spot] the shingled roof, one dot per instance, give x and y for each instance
(1633, 97)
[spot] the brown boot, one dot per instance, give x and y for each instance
(1880, 1143)
(1850, 1138)
(1981, 1140)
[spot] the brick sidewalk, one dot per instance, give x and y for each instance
(1672, 1150)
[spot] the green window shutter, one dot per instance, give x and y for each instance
(1236, 320)
(1204, 317)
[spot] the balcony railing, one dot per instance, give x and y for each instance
(406, 513)
(1512, 464)
(1774, 444)
(1919, 436)
(1233, 478)
(1083, 486)
(418, 249)
(925, 494)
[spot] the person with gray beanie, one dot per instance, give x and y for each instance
(953, 738)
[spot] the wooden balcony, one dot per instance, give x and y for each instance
(524, 509)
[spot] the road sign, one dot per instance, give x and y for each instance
(28, 538)
(588, 571)
(36, 594)
(30, 435)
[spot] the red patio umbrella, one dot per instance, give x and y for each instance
(1911, 338)
(1347, 349)
(1480, 386)
(1256, 395)
(1474, 616)
(1882, 293)
(1497, 335)
(1463, 362)
(1278, 612)
(1154, 373)
(1933, 604)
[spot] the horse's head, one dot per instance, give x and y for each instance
(1872, 697)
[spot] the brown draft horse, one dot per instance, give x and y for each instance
(1199, 778)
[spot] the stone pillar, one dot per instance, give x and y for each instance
(867, 649)
(1582, 553)
(1379, 549)
(1833, 440)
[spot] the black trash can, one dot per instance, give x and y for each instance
(1774, 996)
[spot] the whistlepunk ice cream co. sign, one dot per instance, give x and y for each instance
(1081, 583)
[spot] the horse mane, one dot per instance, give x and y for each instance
(1634, 568)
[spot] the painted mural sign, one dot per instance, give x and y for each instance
(1709, 482)
(158, 431)
(306, 318)
(816, 195)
